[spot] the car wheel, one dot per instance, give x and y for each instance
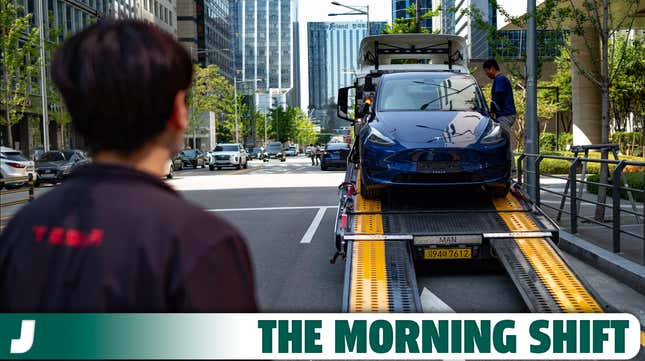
(211, 167)
(369, 192)
(498, 190)
(219, 168)
(323, 167)
(246, 165)
(239, 165)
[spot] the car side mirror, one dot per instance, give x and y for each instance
(343, 104)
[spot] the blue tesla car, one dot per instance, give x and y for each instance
(429, 129)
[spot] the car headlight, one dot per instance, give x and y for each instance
(494, 136)
(377, 137)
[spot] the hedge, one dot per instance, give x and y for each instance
(559, 166)
(547, 141)
(625, 141)
(634, 180)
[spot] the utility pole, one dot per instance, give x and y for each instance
(531, 126)
(43, 76)
(417, 17)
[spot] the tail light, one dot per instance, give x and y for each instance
(16, 165)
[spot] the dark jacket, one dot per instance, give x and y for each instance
(113, 239)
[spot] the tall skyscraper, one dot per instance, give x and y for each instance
(203, 27)
(399, 11)
(333, 57)
(162, 13)
(265, 54)
(455, 19)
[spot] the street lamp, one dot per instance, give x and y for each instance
(356, 10)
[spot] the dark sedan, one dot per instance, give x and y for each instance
(54, 166)
(193, 158)
(334, 155)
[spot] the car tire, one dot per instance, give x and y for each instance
(246, 165)
(369, 193)
(211, 167)
(499, 190)
(219, 168)
(323, 167)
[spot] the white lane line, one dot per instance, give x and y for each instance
(309, 235)
(267, 209)
(433, 304)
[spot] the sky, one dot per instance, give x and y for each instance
(380, 10)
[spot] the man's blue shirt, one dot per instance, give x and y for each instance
(502, 94)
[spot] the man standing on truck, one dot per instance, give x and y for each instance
(114, 237)
(503, 105)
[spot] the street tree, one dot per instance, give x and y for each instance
(20, 59)
(598, 16)
(409, 24)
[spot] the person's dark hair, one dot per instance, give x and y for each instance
(491, 63)
(119, 79)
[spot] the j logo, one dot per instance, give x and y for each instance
(26, 340)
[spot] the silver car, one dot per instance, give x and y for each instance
(13, 165)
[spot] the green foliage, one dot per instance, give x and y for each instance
(211, 91)
(565, 141)
(548, 142)
(409, 23)
(290, 124)
(629, 142)
(634, 180)
(19, 58)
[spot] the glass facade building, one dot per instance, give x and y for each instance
(399, 11)
(265, 49)
(512, 43)
(333, 57)
(203, 27)
(455, 19)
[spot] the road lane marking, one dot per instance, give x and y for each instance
(267, 209)
(430, 303)
(313, 227)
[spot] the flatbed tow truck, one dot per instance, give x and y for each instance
(383, 239)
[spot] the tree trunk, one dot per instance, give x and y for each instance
(417, 18)
(9, 135)
(604, 133)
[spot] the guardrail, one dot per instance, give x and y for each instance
(574, 190)
(29, 190)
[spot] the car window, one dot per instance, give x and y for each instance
(188, 153)
(436, 92)
(227, 148)
(337, 146)
(52, 157)
(15, 156)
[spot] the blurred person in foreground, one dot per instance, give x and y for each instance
(114, 237)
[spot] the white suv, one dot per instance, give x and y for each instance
(228, 155)
(13, 165)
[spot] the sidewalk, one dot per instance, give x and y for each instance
(631, 248)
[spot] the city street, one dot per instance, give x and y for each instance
(286, 212)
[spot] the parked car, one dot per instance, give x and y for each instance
(229, 155)
(170, 169)
(429, 129)
(292, 151)
(334, 155)
(13, 165)
(256, 153)
(274, 150)
(193, 158)
(54, 166)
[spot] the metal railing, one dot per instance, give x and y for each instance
(29, 190)
(574, 191)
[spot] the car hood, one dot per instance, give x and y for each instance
(438, 129)
(56, 164)
(225, 153)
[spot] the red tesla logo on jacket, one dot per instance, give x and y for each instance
(59, 236)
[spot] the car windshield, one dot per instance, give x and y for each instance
(15, 156)
(337, 146)
(227, 148)
(52, 157)
(256, 149)
(274, 146)
(434, 92)
(189, 153)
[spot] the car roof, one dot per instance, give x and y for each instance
(430, 74)
(7, 149)
(227, 144)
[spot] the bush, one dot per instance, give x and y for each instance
(565, 140)
(559, 166)
(625, 141)
(547, 142)
(634, 180)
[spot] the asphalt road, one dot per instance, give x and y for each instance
(286, 213)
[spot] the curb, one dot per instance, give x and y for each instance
(626, 271)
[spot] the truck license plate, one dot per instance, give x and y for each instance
(448, 253)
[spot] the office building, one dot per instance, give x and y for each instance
(333, 57)
(203, 27)
(456, 19)
(162, 13)
(265, 50)
(399, 8)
